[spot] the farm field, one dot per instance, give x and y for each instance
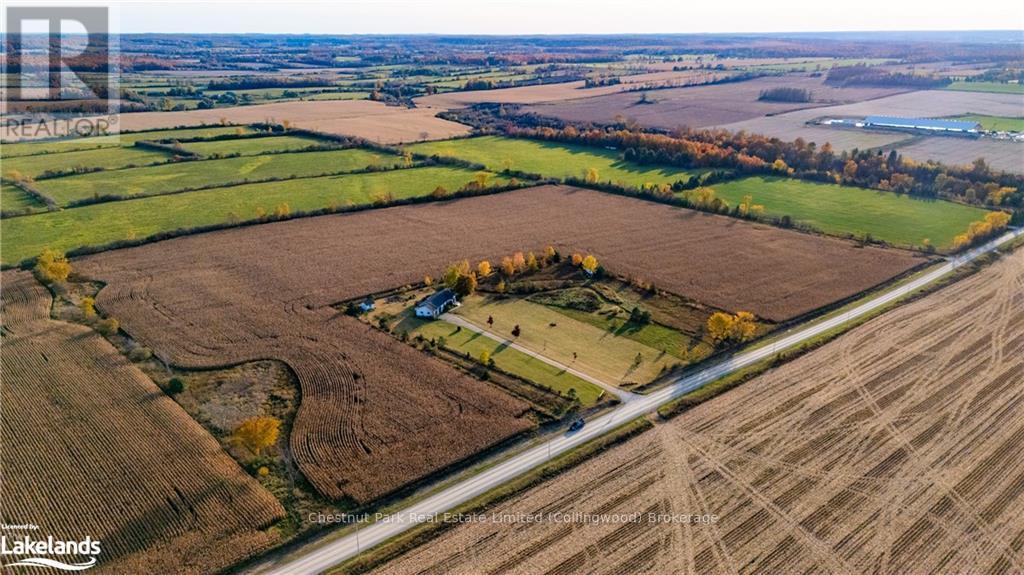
(993, 87)
(164, 178)
(999, 154)
(77, 144)
(703, 106)
(14, 198)
(252, 146)
(133, 470)
(363, 118)
(551, 159)
(107, 158)
(996, 123)
(509, 359)
(895, 445)
(844, 210)
(138, 218)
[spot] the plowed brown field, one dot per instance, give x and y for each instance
(91, 447)
(894, 449)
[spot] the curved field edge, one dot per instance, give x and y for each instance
(176, 502)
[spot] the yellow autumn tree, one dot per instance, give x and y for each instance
(52, 266)
(483, 269)
(507, 266)
(590, 175)
(589, 264)
(531, 262)
(744, 326)
(257, 433)
(519, 261)
(720, 326)
(88, 306)
(577, 259)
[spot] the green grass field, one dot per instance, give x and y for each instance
(14, 198)
(252, 146)
(551, 159)
(600, 353)
(994, 87)
(100, 224)
(171, 177)
(509, 359)
(840, 210)
(126, 139)
(996, 123)
(108, 158)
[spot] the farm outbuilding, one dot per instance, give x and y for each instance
(436, 303)
(922, 124)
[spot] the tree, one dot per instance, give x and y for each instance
(454, 272)
(406, 158)
(485, 357)
(720, 326)
(589, 264)
(550, 254)
(175, 386)
(428, 281)
(577, 259)
(88, 306)
(439, 192)
(52, 266)
(481, 179)
(257, 433)
(108, 327)
(490, 321)
(515, 331)
(501, 287)
(519, 261)
(590, 175)
(743, 326)
(483, 269)
(282, 210)
(531, 262)
(507, 267)
(465, 284)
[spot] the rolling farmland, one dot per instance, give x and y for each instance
(165, 178)
(133, 471)
(252, 146)
(265, 292)
(840, 210)
(139, 218)
(107, 158)
(893, 449)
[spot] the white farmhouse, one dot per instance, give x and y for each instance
(436, 303)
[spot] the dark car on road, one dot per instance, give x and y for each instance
(577, 425)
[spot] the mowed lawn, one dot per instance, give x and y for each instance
(840, 210)
(996, 123)
(509, 359)
(103, 223)
(551, 159)
(994, 87)
(128, 138)
(252, 146)
(175, 176)
(107, 158)
(602, 354)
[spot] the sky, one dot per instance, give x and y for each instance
(557, 16)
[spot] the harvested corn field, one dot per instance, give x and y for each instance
(117, 459)
(894, 449)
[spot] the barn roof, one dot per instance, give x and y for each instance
(921, 123)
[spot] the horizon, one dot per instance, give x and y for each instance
(548, 18)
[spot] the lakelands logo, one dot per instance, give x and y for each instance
(28, 552)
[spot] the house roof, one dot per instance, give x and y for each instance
(437, 299)
(921, 123)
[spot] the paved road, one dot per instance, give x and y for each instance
(322, 557)
(620, 393)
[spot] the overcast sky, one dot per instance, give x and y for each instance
(561, 16)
